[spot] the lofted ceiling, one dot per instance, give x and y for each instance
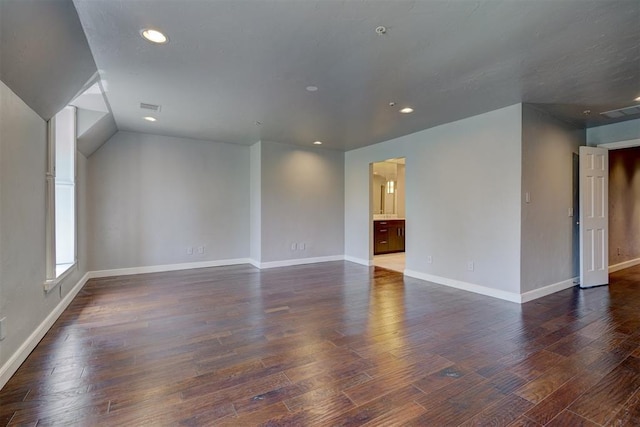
(44, 57)
(236, 70)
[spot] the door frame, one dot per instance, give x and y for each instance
(610, 146)
(371, 203)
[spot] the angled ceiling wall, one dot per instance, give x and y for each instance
(44, 55)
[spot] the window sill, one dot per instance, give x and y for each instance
(62, 271)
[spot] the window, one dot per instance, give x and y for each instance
(61, 196)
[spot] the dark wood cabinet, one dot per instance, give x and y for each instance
(388, 236)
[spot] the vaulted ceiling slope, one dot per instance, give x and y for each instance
(44, 56)
(230, 64)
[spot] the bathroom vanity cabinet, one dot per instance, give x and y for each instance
(388, 236)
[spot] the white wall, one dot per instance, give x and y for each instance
(22, 228)
(462, 201)
(302, 202)
(152, 197)
(548, 146)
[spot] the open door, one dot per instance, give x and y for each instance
(594, 218)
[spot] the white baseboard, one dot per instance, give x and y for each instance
(14, 362)
(298, 261)
(548, 290)
(361, 261)
(465, 286)
(623, 265)
(167, 267)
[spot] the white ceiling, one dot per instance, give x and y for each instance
(232, 63)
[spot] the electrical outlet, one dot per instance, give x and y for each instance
(470, 266)
(429, 259)
(570, 212)
(294, 246)
(3, 328)
(301, 246)
(190, 250)
(200, 249)
(619, 253)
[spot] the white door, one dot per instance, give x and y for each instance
(594, 218)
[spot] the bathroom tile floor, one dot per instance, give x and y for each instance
(393, 261)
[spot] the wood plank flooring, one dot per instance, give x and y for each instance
(333, 344)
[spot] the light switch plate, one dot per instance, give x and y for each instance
(3, 331)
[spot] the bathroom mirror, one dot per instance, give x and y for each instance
(388, 182)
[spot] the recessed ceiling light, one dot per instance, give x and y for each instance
(154, 36)
(406, 110)
(312, 88)
(317, 143)
(150, 119)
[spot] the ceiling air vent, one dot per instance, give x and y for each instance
(150, 107)
(622, 112)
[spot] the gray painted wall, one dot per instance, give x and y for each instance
(548, 145)
(256, 202)
(152, 197)
(22, 223)
(97, 134)
(622, 131)
(402, 186)
(462, 199)
(624, 205)
(302, 201)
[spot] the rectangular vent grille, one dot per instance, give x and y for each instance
(150, 107)
(622, 112)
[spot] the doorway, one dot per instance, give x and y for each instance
(624, 223)
(622, 250)
(387, 213)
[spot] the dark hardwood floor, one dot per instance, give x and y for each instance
(330, 344)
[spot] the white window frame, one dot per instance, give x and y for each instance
(54, 273)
